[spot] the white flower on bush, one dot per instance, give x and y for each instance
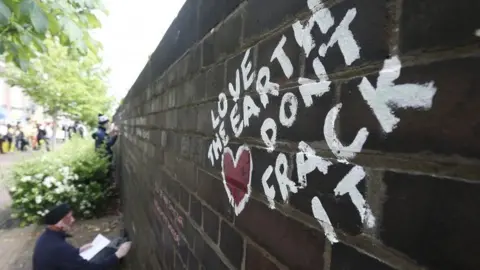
(38, 199)
(74, 199)
(26, 179)
(64, 170)
(75, 176)
(39, 176)
(49, 181)
(13, 189)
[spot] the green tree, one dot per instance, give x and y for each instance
(64, 84)
(25, 24)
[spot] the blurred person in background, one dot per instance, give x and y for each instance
(3, 133)
(20, 139)
(9, 138)
(42, 137)
(29, 131)
(79, 129)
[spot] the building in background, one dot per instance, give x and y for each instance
(16, 105)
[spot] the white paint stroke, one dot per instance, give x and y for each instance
(289, 100)
(217, 146)
(322, 217)
(241, 205)
(223, 135)
(303, 32)
(215, 120)
(309, 88)
(307, 161)
(284, 183)
(210, 154)
(237, 123)
(477, 32)
(303, 35)
(324, 19)
(319, 69)
(235, 90)
(344, 37)
(349, 185)
(270, 142)
(338, 149)
(268, 190)
(222, 105)
(246, 67)
(283, 59)
(266, 88)
(249, 109)
(389, 96)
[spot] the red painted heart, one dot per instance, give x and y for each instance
(237, 175)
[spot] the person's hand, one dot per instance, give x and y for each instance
(123, 249)
(114, 131)
(85, 247)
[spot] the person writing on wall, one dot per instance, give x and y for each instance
(53, 252)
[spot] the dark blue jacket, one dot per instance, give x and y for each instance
(102, 138)
(52, 252)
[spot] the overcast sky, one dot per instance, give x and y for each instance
(130, 34)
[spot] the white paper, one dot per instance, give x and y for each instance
(99, 243)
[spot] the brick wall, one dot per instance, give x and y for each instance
(300, 134)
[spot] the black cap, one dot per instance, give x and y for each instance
(57, 213)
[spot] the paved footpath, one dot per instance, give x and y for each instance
(14, 241)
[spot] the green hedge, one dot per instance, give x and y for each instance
(75, 173)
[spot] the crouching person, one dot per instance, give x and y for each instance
(52, 251)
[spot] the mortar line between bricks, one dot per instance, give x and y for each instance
(395, 13)
(221, 218)
(418, 58)
(327, 256)
(464, 169)
(244, 258)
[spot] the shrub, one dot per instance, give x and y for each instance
(75, 173)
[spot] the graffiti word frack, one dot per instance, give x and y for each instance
(383, 98)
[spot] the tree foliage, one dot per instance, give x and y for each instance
(25, 24)
(64, 84)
